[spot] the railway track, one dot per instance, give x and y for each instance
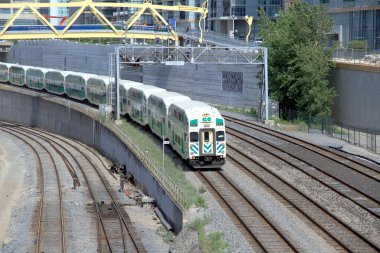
(329, 226)
(336, 232)
(260, 232)
(365, 168)
(359, 188)
(50, 210)
(115, 231)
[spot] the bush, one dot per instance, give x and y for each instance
(358, 44)
(213, 242)
(199, 223)
(201, 202)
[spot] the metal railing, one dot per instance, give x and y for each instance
(215, 38)
(157, 171)
(357, 56)
(167, 183)
(366, 138)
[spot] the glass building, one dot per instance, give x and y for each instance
(354, 20)
(228, 16)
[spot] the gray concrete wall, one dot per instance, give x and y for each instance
(204, 83)
(64, 55)
(200, 82)
(38, 112)
(358, 100)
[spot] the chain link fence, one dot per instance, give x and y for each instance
(366, 138)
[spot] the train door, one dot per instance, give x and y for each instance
(207, 141)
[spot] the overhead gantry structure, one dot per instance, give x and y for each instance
(105, 29)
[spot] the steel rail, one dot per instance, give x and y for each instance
(63, 242)
(138, 248)
(229, 131)
(285, 196)
(276, 231)
(311, 147)
(313, 177)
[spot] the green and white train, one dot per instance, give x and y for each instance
(196, 130)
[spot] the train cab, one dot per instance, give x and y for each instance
(196, 131)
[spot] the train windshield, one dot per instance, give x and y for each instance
(220, 136)
(193, 137)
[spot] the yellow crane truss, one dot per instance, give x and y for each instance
(93, 7)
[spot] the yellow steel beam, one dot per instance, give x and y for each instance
(134, 18)
(158, 15)
(82, 5)
(73, 19)
(43, 19)
(11, 20)
(103, 4)
(102, 17)
(68, 35)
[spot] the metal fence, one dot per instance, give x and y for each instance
(357, 56)
(366, 138)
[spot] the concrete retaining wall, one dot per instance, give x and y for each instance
(358, 100)
(35, 111)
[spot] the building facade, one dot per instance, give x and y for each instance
(354, 20)
(228, 16)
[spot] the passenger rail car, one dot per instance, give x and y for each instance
(196, 130)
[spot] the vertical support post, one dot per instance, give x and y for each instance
(266, 83)
(163, 152)
(117, 83)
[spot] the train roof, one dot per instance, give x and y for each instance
(19, 66)
(44, 70)
(126, 84)
(169, 97)
(123, 81)
(106, 79)
(62, 72)
(7, 64)
(194, 108)
(85, 76)
(147, 89)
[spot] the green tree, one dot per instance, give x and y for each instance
(299, 61)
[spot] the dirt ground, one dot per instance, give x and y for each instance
(12, 170)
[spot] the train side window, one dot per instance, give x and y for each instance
(207, 137)
(193, 137)
(169, 124)
(220, 136)
(185, 137)
(129, 102)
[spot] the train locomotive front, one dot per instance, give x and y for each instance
(204, 138)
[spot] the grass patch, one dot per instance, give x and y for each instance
(173, 167)
(250, 111)
(209, 243)
(212, 242)
(166, 235)
(199, 223)
(201, 202)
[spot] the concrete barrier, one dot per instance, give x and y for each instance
(49, 113)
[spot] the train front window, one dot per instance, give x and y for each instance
(207, 137)
(220, 136)
(193, 137)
